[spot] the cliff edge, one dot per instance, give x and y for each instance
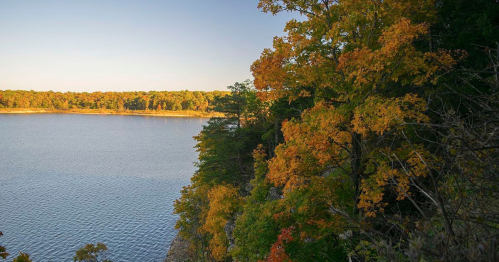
(179, 250)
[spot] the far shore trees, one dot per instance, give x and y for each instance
(153, 100)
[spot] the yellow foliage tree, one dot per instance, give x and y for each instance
(224, 202)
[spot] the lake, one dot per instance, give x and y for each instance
(67, 180)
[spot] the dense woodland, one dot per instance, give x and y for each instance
(370, 133)
(153, 100)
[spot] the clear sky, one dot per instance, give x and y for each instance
(124, 45)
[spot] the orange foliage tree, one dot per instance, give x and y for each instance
(360, 62)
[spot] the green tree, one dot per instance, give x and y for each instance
(3, 251)
(23, 257)
(192, 207)
(235, 105)
(225, 145)
(91, 253)
(225, 148)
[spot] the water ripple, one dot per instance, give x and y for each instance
(68, 180)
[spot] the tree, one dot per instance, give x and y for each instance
(225, 145)
(91, 253)
(362, 63)
(23, 257)
(225, 201)
(235, 105)
(192, 210)
(225, 167)
(3, 252)
(381, 133)
(256, 228)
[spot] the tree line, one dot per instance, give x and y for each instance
(152, 100)
(370, 133)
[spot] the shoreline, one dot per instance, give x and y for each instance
(178, 250)
(154, 113)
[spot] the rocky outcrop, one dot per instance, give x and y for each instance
(274, 194)
(179, 250)
(229, 230)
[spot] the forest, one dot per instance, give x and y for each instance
(153, 100)
(370, 133)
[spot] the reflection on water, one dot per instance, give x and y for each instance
(68, 180)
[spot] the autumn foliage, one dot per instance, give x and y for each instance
(153, 100)
(378, 138)
(277, 251)
(224, 202)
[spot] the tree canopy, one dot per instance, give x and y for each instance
(375, 138)
(153, 100)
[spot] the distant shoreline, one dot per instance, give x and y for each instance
(156, 113)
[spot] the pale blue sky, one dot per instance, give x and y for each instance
(125, 45)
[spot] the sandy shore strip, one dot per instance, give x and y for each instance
(21, 112)
(112, 112)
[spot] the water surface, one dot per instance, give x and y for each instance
(68, 180)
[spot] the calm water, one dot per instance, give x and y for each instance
(68, 180)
